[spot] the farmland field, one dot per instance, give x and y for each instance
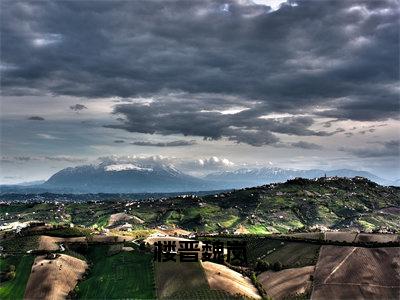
(20, 244)
(357, 273)
(205, 294)
(257, 229)
(309, 235)
(290, 254)
(294, 255)
(124, 275)
(15, 288)
(172, 277)
(287, 283)
(378, 238)
(341, 236)
(54, 278)
(260, 247)
(220, 277)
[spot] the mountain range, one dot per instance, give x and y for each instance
(111, 177)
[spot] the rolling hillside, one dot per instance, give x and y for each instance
(332, 202)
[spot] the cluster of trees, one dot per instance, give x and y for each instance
(263, 265)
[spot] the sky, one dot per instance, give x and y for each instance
(207, 85)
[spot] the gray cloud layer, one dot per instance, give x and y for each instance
(306, 145)
(199, 116)
(386, 149)
(178, 143)
(200, 57)
(36, 118)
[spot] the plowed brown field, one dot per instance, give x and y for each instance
(53, 279)
(287, 283)
(355, 273)
(220, 277)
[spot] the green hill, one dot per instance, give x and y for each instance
(296, 205)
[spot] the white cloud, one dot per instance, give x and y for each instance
(274, 4)
(47, 136)
(214, 162)
(46, 40)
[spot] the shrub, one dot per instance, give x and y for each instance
(10, 275)
(262, 265)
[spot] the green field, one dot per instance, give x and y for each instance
(173, 277)
(20, 244)
(259, 247)
(290, 254)
(15, 288)
(102, 221)
(205, 294)
(121, 276)
(257, 229)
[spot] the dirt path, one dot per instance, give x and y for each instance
(340, 264)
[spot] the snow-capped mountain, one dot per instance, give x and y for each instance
(114, 177)
(259, 176)
(125, 167)
(157, 176)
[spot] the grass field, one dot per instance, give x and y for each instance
(257, 229)
(15, 289)
(121, 276)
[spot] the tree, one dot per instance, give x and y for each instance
(277, 266)
(262, 265)
(142, 246)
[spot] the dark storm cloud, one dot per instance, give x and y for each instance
(386, 149)
(78, 107)
(178, 143)
(340, 55)
(201, 116)
(36, 118)
(306, 145)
